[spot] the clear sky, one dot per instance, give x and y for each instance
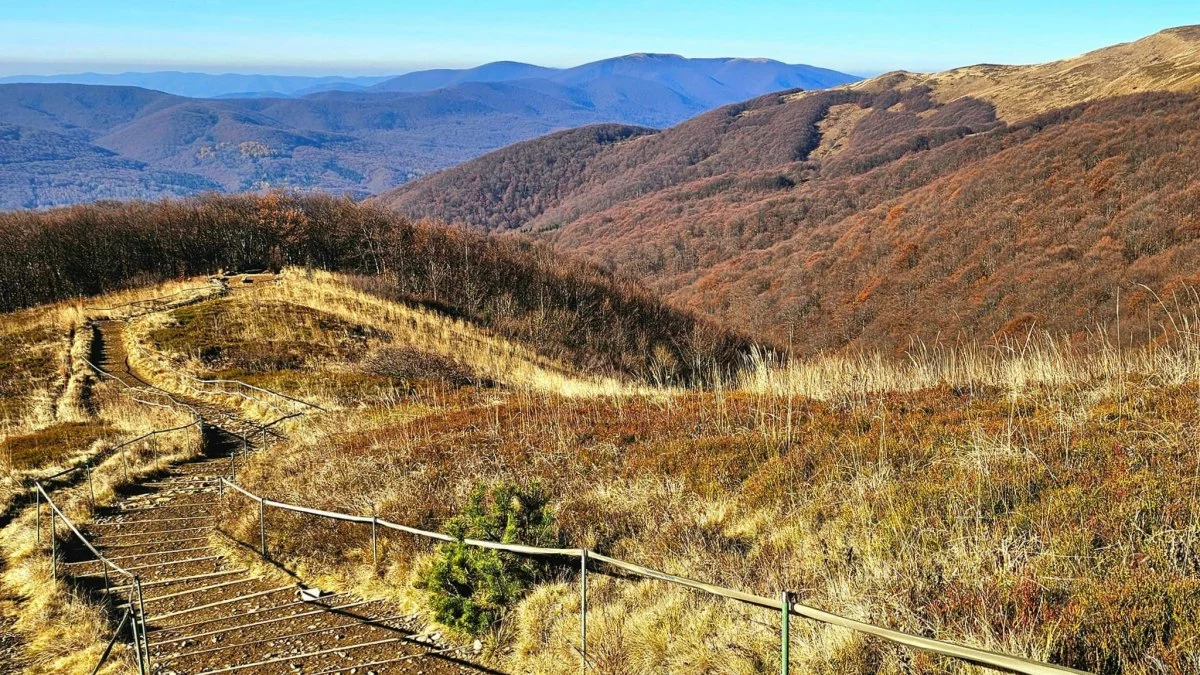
(379, 37)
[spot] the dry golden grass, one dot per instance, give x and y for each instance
(1165, 61)
(130, 303)
(1034, 498)
(324, 308)
(65, 631)
(43, 375)
(34, 366)
(488, 356)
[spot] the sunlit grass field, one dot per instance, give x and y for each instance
(1036, 497)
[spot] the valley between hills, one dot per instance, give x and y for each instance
(919, 349)
(89, 137)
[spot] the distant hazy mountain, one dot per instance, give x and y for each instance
(711, 82)
(203, 85)
(708, 82)
(343, 137)
(500, 71)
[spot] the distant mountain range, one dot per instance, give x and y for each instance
(66, 143)
(204, 85)
(982, 201)
(710, 81)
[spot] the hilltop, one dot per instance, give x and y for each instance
(877, 213)
(558, 306)
(708, 83)
(1166, 61)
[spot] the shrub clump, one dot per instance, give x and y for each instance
(470, 589)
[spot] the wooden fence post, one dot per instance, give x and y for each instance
(583, 559)
(87, 466)
(786, 640)
(262, 525)
(37, 495)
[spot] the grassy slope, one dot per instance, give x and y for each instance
(1166, 61)
(314, 336)
(49, 417)
(57, 414)
(1037, 501)
(566, 309)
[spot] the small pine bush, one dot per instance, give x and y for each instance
(470, 589)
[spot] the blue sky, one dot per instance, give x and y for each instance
(378, 37)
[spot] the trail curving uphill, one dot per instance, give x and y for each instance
(206, 613)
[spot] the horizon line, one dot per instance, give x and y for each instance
(38, 68)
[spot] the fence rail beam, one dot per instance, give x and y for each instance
(136, 614)
(974, 655)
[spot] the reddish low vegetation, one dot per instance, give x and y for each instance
(1039, 225)
(959, 511)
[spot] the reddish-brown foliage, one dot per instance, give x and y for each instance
(930, 222)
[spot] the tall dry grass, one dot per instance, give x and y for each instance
(490, 356)
(1167, 354)
(1035, 498)
(65, 629)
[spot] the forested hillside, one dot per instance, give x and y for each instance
(883, 212)
(512, 186)
(777, 131)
